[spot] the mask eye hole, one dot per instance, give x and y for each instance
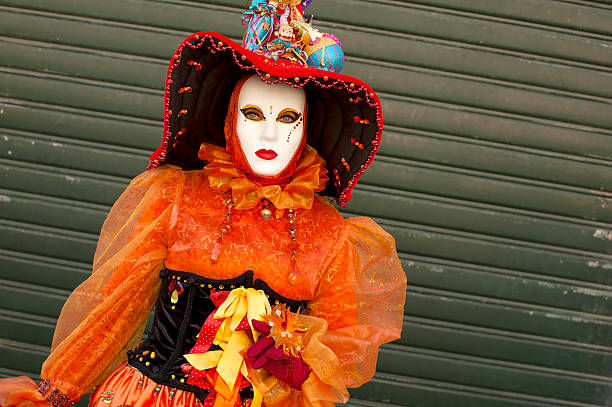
(288, 116)
(253, 113)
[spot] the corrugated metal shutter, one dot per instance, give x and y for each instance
(495, 177)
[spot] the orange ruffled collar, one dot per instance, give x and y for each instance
(310, 176)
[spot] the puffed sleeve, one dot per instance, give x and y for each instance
(106, 314)
(358, 305)
(361, 296)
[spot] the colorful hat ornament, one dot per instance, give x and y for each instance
(277, 28)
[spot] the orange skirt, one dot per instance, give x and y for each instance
(127, 387)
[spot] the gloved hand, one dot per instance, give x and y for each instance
(264, 354)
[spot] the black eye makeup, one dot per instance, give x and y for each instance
(288, 116)
(253, 113)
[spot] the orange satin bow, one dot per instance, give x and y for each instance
(310, 176)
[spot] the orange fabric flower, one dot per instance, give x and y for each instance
(310, 176)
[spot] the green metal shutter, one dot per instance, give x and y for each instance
(494, 176)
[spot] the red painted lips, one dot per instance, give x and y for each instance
(266, 154)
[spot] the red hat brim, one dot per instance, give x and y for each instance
(344, 114)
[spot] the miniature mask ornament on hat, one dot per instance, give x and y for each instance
(270, 125)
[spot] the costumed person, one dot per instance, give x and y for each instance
(264, 294)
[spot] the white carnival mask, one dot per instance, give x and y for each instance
(270, 124)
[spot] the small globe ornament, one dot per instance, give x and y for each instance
(325, 53)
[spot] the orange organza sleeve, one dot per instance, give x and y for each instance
(359, 305)
(106, 314)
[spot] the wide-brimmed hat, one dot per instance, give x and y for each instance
(344, 122)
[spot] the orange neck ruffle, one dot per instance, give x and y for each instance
(310, 176)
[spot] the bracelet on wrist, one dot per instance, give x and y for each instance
(54, 395)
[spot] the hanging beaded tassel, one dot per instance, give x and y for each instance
(225, 228)
(293, 245)
(266, 213)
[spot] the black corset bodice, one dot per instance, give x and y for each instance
(180, 311)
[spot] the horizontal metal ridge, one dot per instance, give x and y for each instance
(48, 270)
(504, 333)
(482, 79)
(596, 4)
(121, 181)
(99, 21)
(491, 125)
(495, 176)
(553, 312)
(478, 205)
(461, 10)
(59, 141)
(531, 165)
(550, 324)
(464, 246)
(84, 50)
(30, 318)
(490, 238)
(500, 114)
(24, 347)
(90, 156)
(6, 193)
(481, 282)
(15, 373)
(491, 395)
(156, 124)
(597, 289)
(456, 11)
(47, 230)
(424, 212)
(511, 366)
(604, 4)
(486, 220)
(407, 131)
(84, 268)
(93, 82)
(353, 402)
(474, 46)
(35, 289)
